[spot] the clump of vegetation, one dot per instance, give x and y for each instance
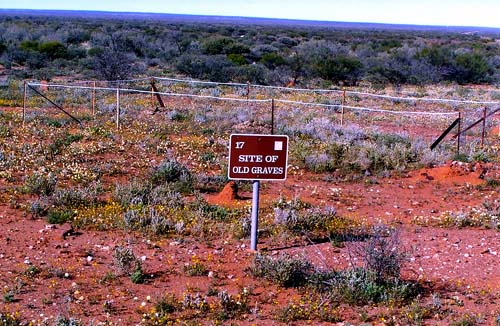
(10, 319)
(196, 267)
(300, 218)
(285, 270)
(59, 217)
(377, 280)
(230, 307)
(310, 307)
(128, 264)
(40, 183)
(350, 150)
(174, 173)
(486, 216)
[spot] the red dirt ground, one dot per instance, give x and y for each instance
(460, 264)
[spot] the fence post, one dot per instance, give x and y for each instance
(342, 109)
(93, 98)
(248, 90)
(459, 138)
(484, 127)
(25, 92)
(152, 92)
(118, 107)
(272, 116)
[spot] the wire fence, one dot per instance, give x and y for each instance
(258, 108)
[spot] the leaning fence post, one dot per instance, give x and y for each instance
(484, 127)
(342, 109)
(25, 91)
(118, 107)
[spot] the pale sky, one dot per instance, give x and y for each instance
(484, 13)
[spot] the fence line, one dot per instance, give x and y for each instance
(292, 89)
(358, 108)
(354, 108)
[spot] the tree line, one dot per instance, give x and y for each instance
(44, 47)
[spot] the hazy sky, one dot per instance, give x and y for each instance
(424, 12)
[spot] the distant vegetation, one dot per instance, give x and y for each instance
(43, 47)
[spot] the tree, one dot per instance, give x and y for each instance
(112, 65)
(471, 68)
(53, 50)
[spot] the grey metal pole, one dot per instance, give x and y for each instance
(255, 215)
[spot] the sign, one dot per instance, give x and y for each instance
(258, 157)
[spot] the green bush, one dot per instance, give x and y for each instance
(285, 270)
(59, 217)
(175, 173)
(360, 286)
(138, 276)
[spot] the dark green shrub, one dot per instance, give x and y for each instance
(53, 49)
(138, 276)
(59, 217)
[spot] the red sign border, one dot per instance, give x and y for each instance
(259, 179)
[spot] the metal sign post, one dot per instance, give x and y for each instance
(257, 157)
(255, 215)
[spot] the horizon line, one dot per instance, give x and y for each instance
(246, 17)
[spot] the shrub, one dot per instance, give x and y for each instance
(59, 217)
(40, 184)
(133, 193)
(125, 260)
(148, 219)
(171, 171)
(39, 207)
(10, 319)
(195, 268)
(230, 307)
(67, 321)
(382, 254)
(360, 286)
(285, 271)
(75, 197)
(137, 276)
(205, 210)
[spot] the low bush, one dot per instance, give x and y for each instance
(59, 216)
(230, 307)
(40, 184)
(174, 173)
(285, 270)
(360, 286)
(125, 261)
